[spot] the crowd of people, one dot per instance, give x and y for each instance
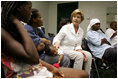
(26, 51)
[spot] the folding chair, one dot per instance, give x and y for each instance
(85, 47)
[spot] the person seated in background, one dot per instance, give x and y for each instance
(112, 33)
(63, 22)
(99, 43)
(40, 40)
(19, 56)
(70, 39)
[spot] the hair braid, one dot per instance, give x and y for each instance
(10, 8)
(7, 9)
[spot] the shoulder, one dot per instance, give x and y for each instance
(91, 33)
(66, 27)
(109, 30)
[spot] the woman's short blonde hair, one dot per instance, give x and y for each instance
(77, 11)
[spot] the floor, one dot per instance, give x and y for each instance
(104, 73)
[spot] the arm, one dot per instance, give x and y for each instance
(46, 41)
(57, 39)
(110, 33)
(39, 42)
(56, 72)
(85, 58)
(114, 35)
(60, 58)
(93, 38)
(104, 41)
(24, 51)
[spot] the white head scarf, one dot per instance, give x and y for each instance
(92, 22)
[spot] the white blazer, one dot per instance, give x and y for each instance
(68, 39)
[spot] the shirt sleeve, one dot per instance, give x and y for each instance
(109, 32)
(60, 35)
(60, 52)
(35, 38)
(93, 38)
(42, 35)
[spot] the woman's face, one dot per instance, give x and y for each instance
(96, 26)
(25, 12)
(38, 21)
(76, 19)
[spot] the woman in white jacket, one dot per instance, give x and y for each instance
(70, 38)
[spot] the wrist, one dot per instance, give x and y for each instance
(58, 62)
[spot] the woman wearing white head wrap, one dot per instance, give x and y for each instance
(99, 44)
(92, 22)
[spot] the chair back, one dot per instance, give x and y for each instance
(85, 45)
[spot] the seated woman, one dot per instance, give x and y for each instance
(70, 38)
(99, 43)
(40, 40)
(19, 56)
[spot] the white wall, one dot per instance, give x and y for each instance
(43, 7)
(95, 9)
(92, 9)
(52, 22)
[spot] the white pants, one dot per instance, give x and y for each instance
(79, 59)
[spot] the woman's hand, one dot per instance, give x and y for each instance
(104, 40)
(57, 73)
(57, 45)
(85, 58)
(48, 42)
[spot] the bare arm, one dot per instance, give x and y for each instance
(104, 40)
(114, 35)
(24, 51)
(56, 72)
(60, 58)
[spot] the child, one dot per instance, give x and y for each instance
(52, 51)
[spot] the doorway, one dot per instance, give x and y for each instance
(64, 10)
